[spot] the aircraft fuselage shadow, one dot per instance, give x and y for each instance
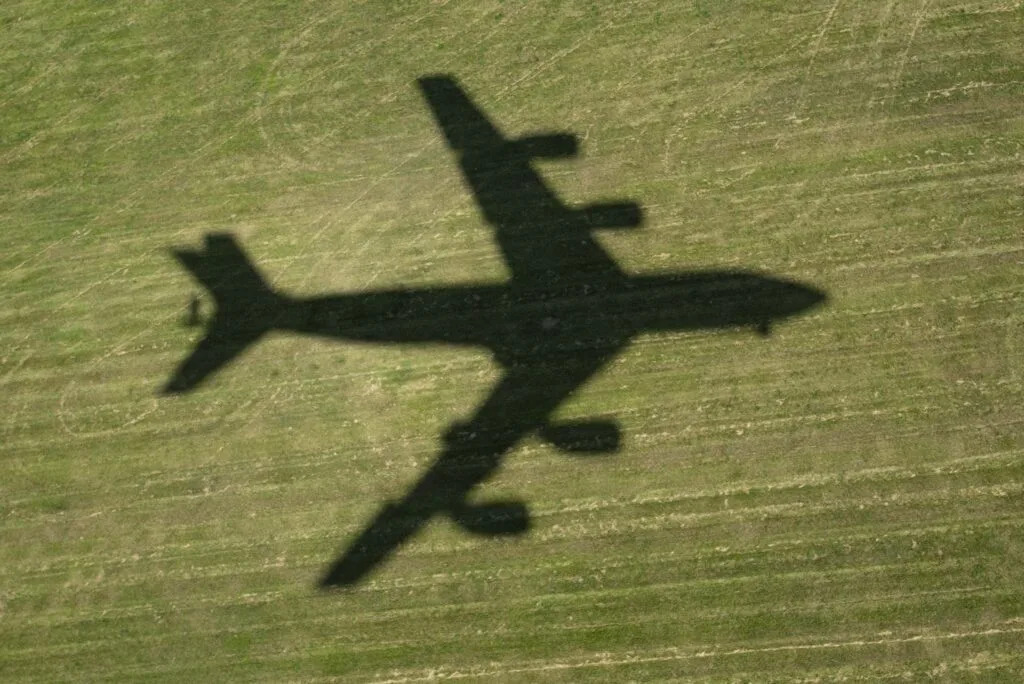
(566, 311)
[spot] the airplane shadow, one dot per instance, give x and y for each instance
(566, 311)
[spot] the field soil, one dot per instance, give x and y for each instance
(841, 499)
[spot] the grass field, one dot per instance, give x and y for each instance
(840, 501)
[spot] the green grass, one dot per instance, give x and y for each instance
(842, 500)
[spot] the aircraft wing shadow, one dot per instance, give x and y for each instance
(520, 404)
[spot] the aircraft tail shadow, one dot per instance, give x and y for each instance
(246, 308)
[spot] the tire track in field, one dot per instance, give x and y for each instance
(802, 498)
(882, 475)
(834, 560)
(813, 54)
(404, 615)
(991, 634)
(609, 660)
(559, 601)
(811, 560)
(896, 77)
(667, 178)
(712, 101)
(901, 64)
